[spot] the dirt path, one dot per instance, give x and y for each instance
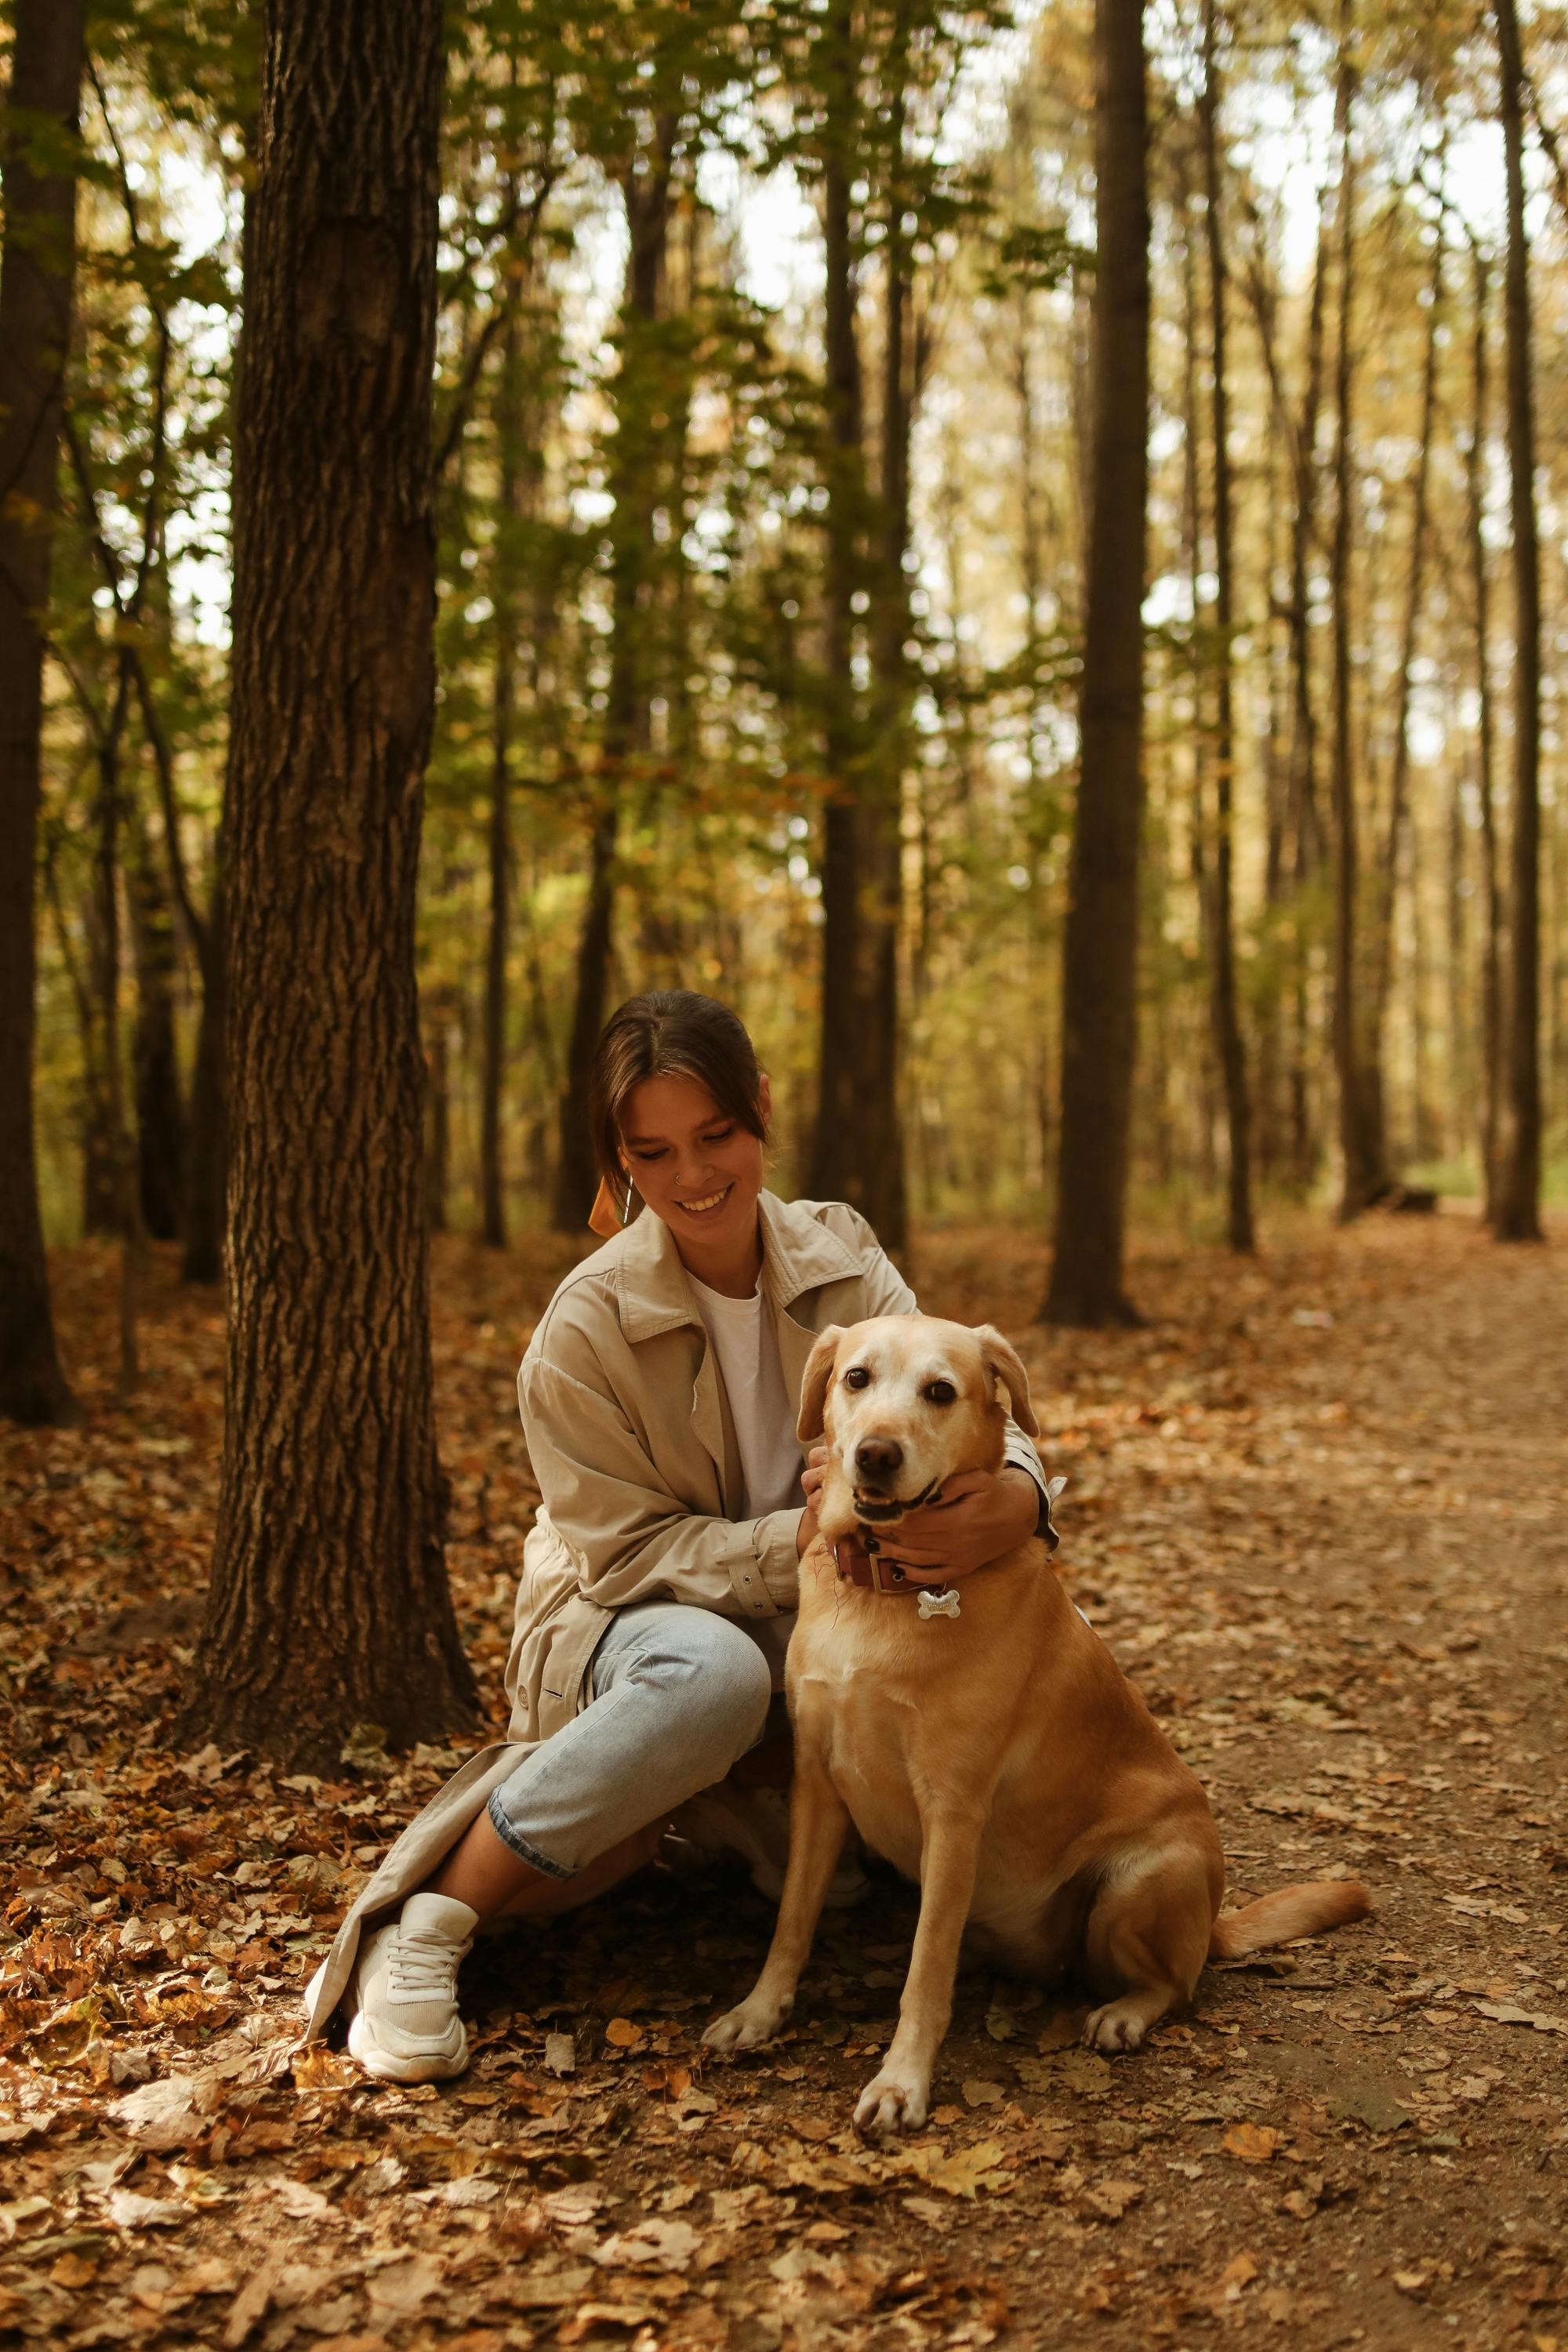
(1317, 1509)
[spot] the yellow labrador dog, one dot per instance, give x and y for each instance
(981, 1738)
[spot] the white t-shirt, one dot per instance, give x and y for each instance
(746, 1345)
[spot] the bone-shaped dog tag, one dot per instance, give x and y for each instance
(936, 1604)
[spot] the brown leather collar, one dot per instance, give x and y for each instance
(873, 1574)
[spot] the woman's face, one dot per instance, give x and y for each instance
(697, 1169)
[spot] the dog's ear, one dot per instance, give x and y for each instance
(1004, 1363)
(814, 1384)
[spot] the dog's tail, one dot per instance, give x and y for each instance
(1305, 1910)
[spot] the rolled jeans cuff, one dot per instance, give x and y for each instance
(520, 1845)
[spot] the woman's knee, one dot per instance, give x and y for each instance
(718, 1677)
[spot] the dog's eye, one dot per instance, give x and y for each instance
(939, 1392)
(858, 1377)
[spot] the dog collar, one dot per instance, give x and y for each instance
(860, 1565)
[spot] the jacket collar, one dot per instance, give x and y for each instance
(651, 1284)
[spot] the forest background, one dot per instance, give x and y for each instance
(736, 527)
(1010, 550)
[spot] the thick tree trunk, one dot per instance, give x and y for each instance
(329, 1606)
(1362, 1177)
(1227, 1018)
(37, 270)
(160, 1113)
(1101, 950)
(1517, 1205)
(1492, 1042)
(646, 188)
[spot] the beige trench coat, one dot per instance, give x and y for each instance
(629, 1437)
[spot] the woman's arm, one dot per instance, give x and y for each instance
(629, 1535)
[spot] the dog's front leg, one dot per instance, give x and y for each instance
(818, 1818)
(899, 2097)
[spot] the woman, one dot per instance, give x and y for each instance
(659, 1578)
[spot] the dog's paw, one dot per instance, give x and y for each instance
(1120, 2025)
(745, 2028)
(890, 2105)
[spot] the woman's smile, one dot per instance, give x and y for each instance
(710, 1204)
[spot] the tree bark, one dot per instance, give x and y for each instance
(1517, 1206)
(37, 275)
(1100, 946)
(1226, 1019)
(646, 188)
(329, 1606)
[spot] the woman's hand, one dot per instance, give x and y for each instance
(979, 1516)
(811, 1478)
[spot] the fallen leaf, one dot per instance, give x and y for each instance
(168, 2113)
(982, 2094)
(127, 2210)
(1412, 2281)
(1252, 2143)
(655, 2244)
(1110, 2199)
(622, 2035)
(1509, 2012)
(561, 2053)
(402, 2289)
(250, 2304)
(964, 2174)
(302, 2202)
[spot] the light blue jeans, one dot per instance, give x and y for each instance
(678, 1696)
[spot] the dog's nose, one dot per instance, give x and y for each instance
(878, 1457)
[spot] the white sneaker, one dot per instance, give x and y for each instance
(407, 2028)
(754, 1824)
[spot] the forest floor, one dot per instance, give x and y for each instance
(1317, 1508)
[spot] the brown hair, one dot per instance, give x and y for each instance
(671, 1033)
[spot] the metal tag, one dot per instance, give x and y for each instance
(936, 1604)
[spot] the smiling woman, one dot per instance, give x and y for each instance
(660, 1579)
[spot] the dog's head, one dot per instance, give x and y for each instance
(905, 1403)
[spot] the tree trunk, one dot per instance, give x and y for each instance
(646, 188)
(835, 1159)
(206, 1126)
(1386, 882)
(492, 1059)
(122, 1155)
(437, 1114)
(37, 272)
(1517, 1207)
(875, 1176)
(160, 1114)
(1491, 1039)
(1226, 1019)
(329, 1606)
(1100, 947)
(1363, 1178)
